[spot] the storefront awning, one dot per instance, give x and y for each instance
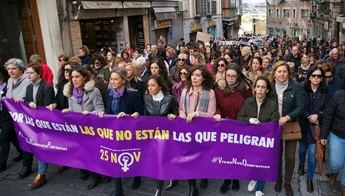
(101, 4)
(165, 13)
(136, 4)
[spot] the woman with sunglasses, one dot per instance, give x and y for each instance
(230, 99)
(64, 73)
(315, 99)
(218, 69)
(174, 73)
(197, 100)
(178, 87)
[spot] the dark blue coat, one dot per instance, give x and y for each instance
(129, 102)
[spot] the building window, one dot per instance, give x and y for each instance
(277, 13)
(270, 13)
(214, 7)
(204, 6)
(286, 13)
(304, 13)
(198, 7)
(293, 13)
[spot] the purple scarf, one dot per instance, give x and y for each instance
(78, 95)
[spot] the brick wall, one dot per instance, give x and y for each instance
(75, 36)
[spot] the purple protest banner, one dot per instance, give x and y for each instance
(149, 146)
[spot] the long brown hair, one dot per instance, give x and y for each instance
(207, 84)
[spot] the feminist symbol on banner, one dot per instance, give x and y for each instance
(125, 160)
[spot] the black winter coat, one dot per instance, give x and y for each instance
(314, 103)
(334, 116)
(129, 103)
(45, 94)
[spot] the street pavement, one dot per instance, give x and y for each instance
(67, 183)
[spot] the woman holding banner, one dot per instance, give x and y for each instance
(197, 100)
(84, 97)
(290, 103)
(158, 102)
(16, 89)
(259, 108)
(230, 99)
(39, 93)
(123, 101)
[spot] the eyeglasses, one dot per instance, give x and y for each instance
(231, 76)
(183, 73)
(181, 59)
(327, 77)
(68, 70)
(316, 76)
(221, 65)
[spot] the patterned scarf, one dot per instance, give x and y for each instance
(78, 95)
(115, 99)
(202, 102)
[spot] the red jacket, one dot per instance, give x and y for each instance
(229, 105)
(47, 74)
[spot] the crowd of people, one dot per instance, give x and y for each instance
(277, 79)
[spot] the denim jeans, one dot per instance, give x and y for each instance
(337, 155)
(260, 185)
(303, 148)
(42, 168)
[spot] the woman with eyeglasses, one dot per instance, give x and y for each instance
(257, 109)
(230, 100)
(39, 93)
(254, 70)
(178, 87)
(84, 97)
(291, 104)
(181, 63)
(315, 98)
(197, 100)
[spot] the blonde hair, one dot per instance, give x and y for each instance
(247, 50)
(199, 57)
(305, 60)
(279, 64)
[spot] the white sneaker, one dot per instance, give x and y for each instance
(259, 193)
(251, 185)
